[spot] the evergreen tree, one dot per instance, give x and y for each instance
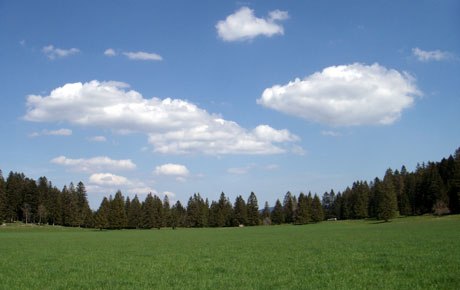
(117, 217)
(157, 212)
(288, 208)
(3, 200)
(102, 215)
(224, 212)
(387, 204)
(148, 216)
(240, 214)
(317, 214)
(253, 210)
(303, 215)
(178, 214)
(84, 213)
(166, 211)
(135, 213)
(13, 192)
(277, 215)
(360, 200)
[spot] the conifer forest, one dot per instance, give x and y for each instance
(433, 187)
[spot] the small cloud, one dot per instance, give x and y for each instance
(108, 179)
(22, 42)
(52, 52)
(141, 55)
(60, 132)
(97, 139)
(144, 149)
(171, 169)
(272, 166)
(330, 133)
(110, 52)
(437, 55)
(181, 179)
(244, 25)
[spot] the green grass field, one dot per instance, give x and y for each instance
(407, 253)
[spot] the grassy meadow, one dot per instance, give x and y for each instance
(407, 253)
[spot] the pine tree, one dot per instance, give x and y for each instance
(178, 214)
(102, 215)
(317, 214)
(148, 212)
(3, 200)
(117, 217)
(157, 212)
(253, 210)
(166, 211)
(84, 213)
(387, 204)
(288, 207)
(277, 215)
(135, 213)
(303, 215)
(224, 212)
(239, 215)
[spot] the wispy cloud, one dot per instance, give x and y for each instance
(97, 139)
(331, 133)
(94, 164)
(60, 132)
(437, 55)
(53, 52)
(141, 55)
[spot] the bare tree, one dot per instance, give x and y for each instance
(26, 211)
(41, 213)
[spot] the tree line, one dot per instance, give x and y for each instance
(431, 188)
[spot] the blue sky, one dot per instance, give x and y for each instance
(178, 97)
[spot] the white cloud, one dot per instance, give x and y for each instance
(172, 169)
(140, 55)
(181, 179)
(330, 133)
(108, 179)
(244, 25)
(97, 139)
(53, 52)
(60, 132)
(94, 164)
(173, 126)
(346, 95)
(110, 52)
(438, 55)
